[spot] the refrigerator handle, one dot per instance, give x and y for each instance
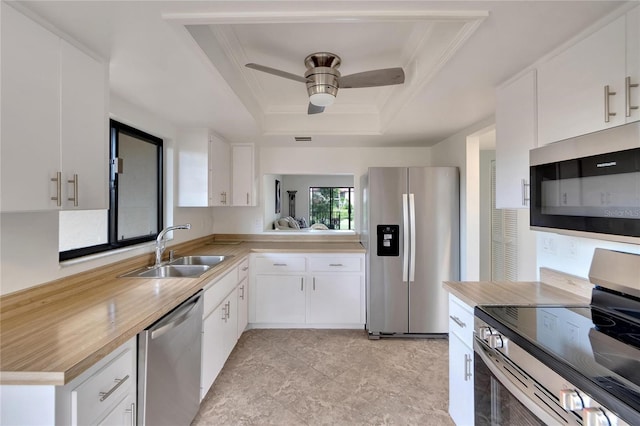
(405, 249)
(412, 218)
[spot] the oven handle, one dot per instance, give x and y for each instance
(511, 387)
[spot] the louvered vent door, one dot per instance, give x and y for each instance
(504, 238)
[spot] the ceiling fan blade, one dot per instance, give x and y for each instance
(314, 109)
(277, 72)
(382, 77)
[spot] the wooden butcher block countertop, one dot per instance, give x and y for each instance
(512, 293)
(51, 333)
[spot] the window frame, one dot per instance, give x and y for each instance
(115, 128)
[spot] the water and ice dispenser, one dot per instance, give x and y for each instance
(388, 240)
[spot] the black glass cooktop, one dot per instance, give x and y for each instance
(598, 347)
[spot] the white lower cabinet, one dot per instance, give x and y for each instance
(307, 290)
(334, 299)
(280, 299)
(105, 394)
(223, 321)
(461, 393)
(220, 334)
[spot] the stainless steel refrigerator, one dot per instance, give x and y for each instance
(411, 232)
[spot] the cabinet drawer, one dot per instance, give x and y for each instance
(219, 290)
(335, 264)
(243, 270)
(102, 390)
(275, 265)
(460, 319)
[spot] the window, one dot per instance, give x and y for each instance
(331, 206)
(135, 199)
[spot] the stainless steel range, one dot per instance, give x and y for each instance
(566, 365)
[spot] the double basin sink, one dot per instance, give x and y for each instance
(182, 267)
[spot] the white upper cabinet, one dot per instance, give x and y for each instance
(220, 172)
(582, 89)
(85, 139)
(54, 121)
(515, 136)
(203, 169)
(243, 173)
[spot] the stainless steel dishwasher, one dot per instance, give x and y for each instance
(169, 366)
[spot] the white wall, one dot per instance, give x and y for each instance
(486, 157)
(573, 254)
(462, 150)
(318, 161)
(29, 242)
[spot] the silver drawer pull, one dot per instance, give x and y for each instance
(245, 268)
(105, 395)
(336, 264)
(457, 321)
(279, 264)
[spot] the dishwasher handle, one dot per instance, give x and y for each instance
(177, 317)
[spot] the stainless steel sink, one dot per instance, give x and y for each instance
(182, 267)
(199, 260)
(170, 271)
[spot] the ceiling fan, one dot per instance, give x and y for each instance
(323, 78)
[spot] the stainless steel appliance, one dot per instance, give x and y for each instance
(564, 365)
(589, 184)
(411, 233)
(169, 366)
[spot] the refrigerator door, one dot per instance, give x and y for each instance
(435, 236)
(386, 291)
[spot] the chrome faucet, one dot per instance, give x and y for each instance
(160, 241)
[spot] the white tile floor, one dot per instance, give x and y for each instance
(329, 377)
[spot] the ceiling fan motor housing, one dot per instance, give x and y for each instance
(322, 73)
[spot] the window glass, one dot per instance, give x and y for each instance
(331, 206)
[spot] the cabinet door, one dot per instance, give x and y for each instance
(193, 158)
(123, 414)
(515, 136)
(280, 299)
(571, 86)
(213, 350)
(632, 97)
(219, 172)
(335, 299)
(461, 396)
(243, 306)
(30, 151)
(242, 175)
(84, 143)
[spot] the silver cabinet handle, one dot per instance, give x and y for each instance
(301, 284)
(458, 321)
(242, 294)
(58, 181)
(119, 382)
(224, 313)
(247, 198)
(467, 367)
(245, 268)
(607, 113)
(314, 283)
(132, 411)
(336, 264)
(74, 181)
(279, 264)
(525, 199)
(627, 96)
(228, 309)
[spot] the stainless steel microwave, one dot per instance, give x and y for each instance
(589, 185)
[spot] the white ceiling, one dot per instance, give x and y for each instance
(184, 61)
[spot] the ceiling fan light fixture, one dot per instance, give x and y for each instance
(322, 99)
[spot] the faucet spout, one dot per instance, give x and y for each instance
(160, 241)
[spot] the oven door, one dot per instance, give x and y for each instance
(506, 395)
